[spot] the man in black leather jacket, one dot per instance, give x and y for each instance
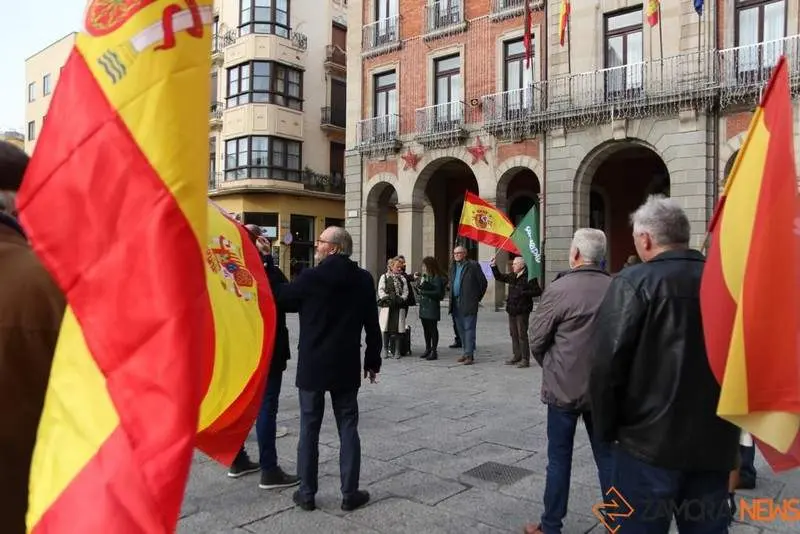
(651, 387)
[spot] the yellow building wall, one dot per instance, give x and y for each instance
(285, 206)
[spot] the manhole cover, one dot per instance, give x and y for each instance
(498, 473)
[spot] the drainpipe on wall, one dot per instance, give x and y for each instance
(543, 178)
(717, 117)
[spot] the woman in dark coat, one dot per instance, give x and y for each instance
(431, 286)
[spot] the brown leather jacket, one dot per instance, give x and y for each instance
(31, 309)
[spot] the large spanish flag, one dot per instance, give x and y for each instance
(751, 284)
(244, 328)
(563, 20)
(114, 203)
(486, 224)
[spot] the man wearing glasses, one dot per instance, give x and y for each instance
(467, 287)
(335, 300)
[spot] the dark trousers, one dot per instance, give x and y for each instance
(698, 500)
(518, 328)
(747, 471)
(345, 410)
(561, 426)
(455, 330)
(430, 329)
(266, 423)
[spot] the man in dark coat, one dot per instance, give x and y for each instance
(466, 291)
(519, 305)
(31, 309)
(272, 476)
(336, 301)
(652, 389)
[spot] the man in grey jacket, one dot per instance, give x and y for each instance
(467, 287)
(560, 335)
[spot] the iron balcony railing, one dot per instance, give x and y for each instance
(214, 178)
(627, 91)
(299, 40)
(221, 40)
(502, 9)
(215, 111)
(334, 116)
(514, 105)
(745, 70)
(335, 55)
(442, 15)
(378, 131)
(323, 183)
(381, 35)
(440, 119)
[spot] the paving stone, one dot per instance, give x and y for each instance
(297, 521)
(416, 486)
(372, 470)
(400, 516)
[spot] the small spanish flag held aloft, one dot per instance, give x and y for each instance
(751, 284)
(482, 222)
(244, 328)
(653, 12)
(115, 205)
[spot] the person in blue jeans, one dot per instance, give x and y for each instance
(653, 393)
(466, 291)
(560, 341)
(272, 476)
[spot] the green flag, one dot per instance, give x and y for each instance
(526, 237)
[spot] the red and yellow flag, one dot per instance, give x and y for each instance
(563, 20)
(486, 224)
(653, 12)
(751, 284)
(244, 328)
(114, 203)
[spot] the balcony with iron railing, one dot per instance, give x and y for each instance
(440, 124)
(506, 9)
(219, 41)
(332, 183)
(333, 118)
(215, 114)
(214, 179)
(381, 36)
(379, 134)
(506, 113)
(335, 59)
(657, 86)
(444, 17)
(743, 71)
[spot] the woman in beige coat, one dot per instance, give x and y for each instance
(393, 291)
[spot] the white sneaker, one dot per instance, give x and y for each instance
(281, 432)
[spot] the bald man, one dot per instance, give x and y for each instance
(467, 288)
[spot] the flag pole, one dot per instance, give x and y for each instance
(461, 218)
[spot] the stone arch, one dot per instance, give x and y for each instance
(506, 171)
(727, 151)
(376, 186)
(592, 162)
(610, 183)
(433, 160)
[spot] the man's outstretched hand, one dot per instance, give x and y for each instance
(372, 375)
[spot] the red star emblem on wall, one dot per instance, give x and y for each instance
(478, 152)
(411, 160)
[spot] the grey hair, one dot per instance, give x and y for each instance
(664, 219)
(591, 243)
(341, 238)
(7, 203)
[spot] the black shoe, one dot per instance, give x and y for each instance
(456, 345)
(425, 354)
(432, 356)
(276, 478)
(356, 501)
(243, 466)
(308, 506)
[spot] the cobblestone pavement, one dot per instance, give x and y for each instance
(423, 427)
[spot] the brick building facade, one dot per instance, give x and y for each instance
(447, 104)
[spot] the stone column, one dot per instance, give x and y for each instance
(371, 242)
(352, 202)
(409, 234)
